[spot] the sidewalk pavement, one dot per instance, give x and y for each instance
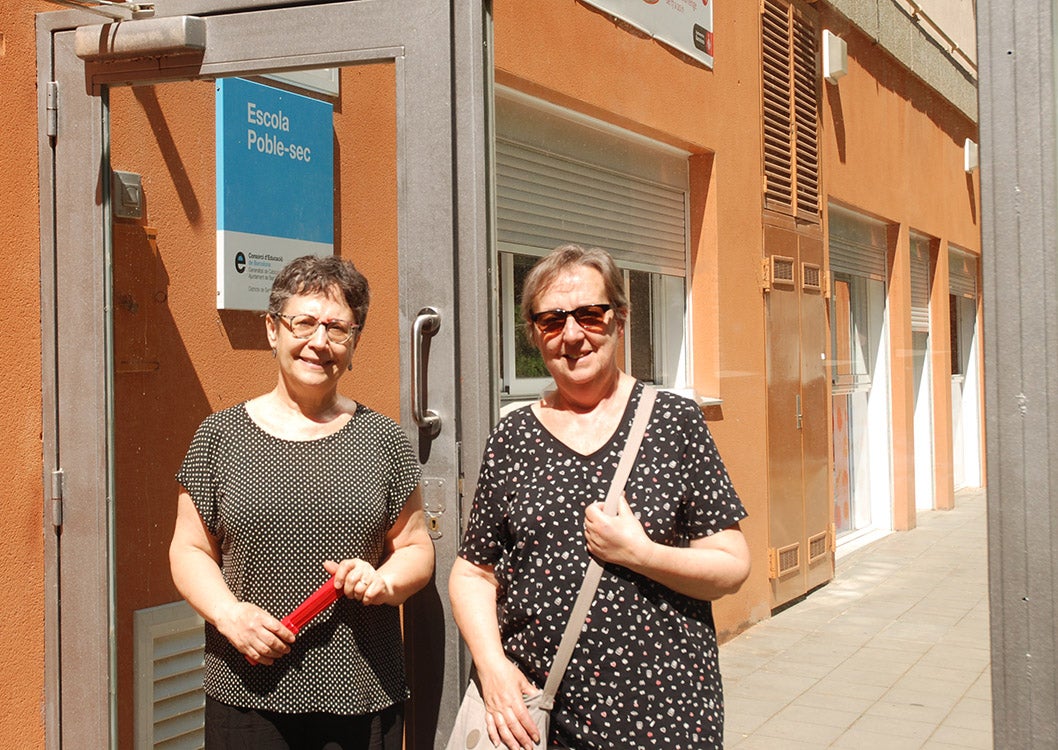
(893, 653)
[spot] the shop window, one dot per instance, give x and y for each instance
(790, 107)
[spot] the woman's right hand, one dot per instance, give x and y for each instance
(254, 632)
(503, 689)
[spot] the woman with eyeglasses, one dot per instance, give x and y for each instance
(644, 672)
(278, 494)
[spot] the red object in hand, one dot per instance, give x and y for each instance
(317, 601)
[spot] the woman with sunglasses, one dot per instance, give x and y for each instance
(278, 494)
(644, 672)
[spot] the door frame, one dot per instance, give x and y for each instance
(440, 59)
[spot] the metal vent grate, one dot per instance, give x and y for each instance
(784, 560)
(782, 271)
(811, 277)
(168, 662)
(817, 547)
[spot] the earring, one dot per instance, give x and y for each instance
(273, 354)
(350, 367)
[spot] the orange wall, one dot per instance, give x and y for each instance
(894, 148)
(22, 545)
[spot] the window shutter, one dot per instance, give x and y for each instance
(778, 120)
(544, 199)
(857, 244)
(962, 274)
(920, 284)
(806, 106)
(790, 107)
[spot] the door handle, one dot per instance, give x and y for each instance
(427, 323)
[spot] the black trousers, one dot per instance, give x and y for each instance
(234, 728)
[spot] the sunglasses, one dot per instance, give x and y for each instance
(592, 318)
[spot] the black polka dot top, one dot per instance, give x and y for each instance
(645, 672)
(279, 508)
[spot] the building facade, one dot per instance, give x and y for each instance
(792, 196)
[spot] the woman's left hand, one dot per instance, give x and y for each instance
(360, 581)
(619, 538)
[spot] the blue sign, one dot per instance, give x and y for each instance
(275, 186)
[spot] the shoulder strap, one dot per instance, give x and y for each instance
(594, 572)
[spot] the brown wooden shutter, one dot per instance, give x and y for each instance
(790, 87)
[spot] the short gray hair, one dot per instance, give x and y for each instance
(319, 274)
(548, 268)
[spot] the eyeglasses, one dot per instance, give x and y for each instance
(592, 318)
(304, 327)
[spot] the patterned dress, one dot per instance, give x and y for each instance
(278, 509)
(644, 673)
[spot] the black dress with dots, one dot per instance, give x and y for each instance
(279, 508)
(645, 672)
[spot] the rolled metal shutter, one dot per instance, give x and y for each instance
(857, 244)
(546, 199)
(962, 274)
(920, 283)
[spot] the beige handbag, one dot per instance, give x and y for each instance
(470, 731)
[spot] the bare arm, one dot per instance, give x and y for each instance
(194, 559)
(711, 567)
(472, 589)
(407, 567)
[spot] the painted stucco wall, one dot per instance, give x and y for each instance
(21, 493)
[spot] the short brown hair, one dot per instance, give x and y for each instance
(319, 274)
(547, 269)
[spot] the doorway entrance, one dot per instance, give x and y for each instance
(800, 526)
(140, 351)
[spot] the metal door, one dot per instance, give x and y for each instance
(135, 340)
(800, 546)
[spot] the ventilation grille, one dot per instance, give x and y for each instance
(818, 547)
(790, 105)
(784, 560)
(168, 662)
(782, 271)
(811, 277)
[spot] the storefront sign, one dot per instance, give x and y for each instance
(685, 25)
(275, 187)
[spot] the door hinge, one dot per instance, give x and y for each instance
(52, 109)
(57, 481)
(459, 472)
